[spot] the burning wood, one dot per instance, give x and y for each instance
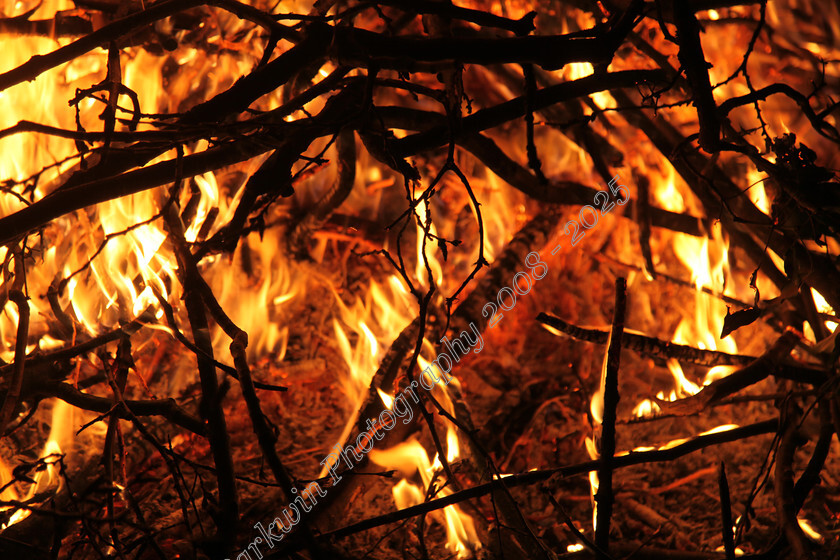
(244, 207)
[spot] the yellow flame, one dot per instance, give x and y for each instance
(674, 443)
(707, 260)
(821, 303)
(718, 372)
(387, 399)
(47, 481)
(738, 550)
(407, 494)
(452, 448)
(683, 386)
(667, 196)
(823, 307)
(757, 191)
(721, 428)
(409, 458)
(808, 529)
(594, 481)
(645, 408)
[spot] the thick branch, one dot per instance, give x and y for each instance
(758, 370)
(696, 68)
(66, 200)
(521, 26)
(566, 192)
(210, 406)
(167, 408)
(783, 484)
(517, 107)
(664, 349)
(604, 497)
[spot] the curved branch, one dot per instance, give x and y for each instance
(167, 408)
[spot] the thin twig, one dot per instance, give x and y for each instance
(725, 513)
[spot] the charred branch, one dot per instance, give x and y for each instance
(565, 192)
(647, 345)
(759, 369)
(210, 407)
(604, 497)
(694, 64)
(666, 349)
(167, 408)
(725, 513)
(783, 483)
(518, 107)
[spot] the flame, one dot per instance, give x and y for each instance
(23, 156)
(594, 481)
(679, 441)
(808, 529)
(387, 399)
(821, 303)
(407, 494)
(596, 406)
(503, 212)
(387, 308)
(48, 481)
(452, 446)
(123, 280)
(718, 372)
(135, 268)
(667, 196)
(645, 408)
(823, 307)
(684, 387)
(577, 70)
(410, 458)
(707, 259)
(721, 428)
(757, 192)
